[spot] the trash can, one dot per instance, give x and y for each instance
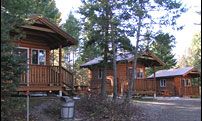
(67, 109)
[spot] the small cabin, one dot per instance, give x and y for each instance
(178, 82)
(142, 85)
(42, 37)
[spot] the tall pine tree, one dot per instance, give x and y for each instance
(162, 47)
(146, 16)
(99, 17)
(14, 13)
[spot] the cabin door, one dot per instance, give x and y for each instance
(23, 53)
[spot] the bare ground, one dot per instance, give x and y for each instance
(171, 110)
(48, 109)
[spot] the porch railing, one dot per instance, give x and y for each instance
(144, 85)
(47, 75)
(190, 90)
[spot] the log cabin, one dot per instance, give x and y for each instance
(177, 82)
(41, 38)
(142, 85)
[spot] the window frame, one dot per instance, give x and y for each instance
(187, 82)
(27, 52)
(140, 73)
(163, 84)
(38, 50)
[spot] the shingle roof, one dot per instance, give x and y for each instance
(99, 59)
(124, 56)
(171, 72)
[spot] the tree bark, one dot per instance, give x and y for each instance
(114, 64)
(131, 84)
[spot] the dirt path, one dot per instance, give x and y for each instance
(172, 110)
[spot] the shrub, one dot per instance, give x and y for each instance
(95, 108)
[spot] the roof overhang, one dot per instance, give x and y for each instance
(147, 59)
(42, 30)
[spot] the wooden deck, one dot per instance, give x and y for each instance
(145, 87)
(46, 78)
(190, 91)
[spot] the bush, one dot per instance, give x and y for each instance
(96, 108)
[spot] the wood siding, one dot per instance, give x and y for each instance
(175, 87)
(141, 84)
(35, 45)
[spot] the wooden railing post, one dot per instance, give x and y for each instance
(60, 63)
(154, 81)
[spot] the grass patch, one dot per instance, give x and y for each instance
(144, 99)
(194, 96)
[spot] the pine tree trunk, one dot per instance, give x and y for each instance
(131, 84)
(114, 68)
(104, 74)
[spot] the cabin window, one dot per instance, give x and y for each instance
(38, 57)
(162, 83)
(140, 73)
(100, 73)
(130, 71)
(22, 53)
(187, 82)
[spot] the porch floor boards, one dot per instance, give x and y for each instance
(39, 88)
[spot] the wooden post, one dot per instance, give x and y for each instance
(154, 81)
(53, 56)
(60, 64)
(27, 105)
(180, 88)
(199, 88)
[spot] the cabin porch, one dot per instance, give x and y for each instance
(46, 78)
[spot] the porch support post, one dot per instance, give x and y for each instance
(199, 87)
(60, 64)
(60, 93)
(53, 57)
(154, 68)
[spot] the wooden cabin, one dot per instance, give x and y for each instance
(177, 82)
(42, 75)
(124, 71)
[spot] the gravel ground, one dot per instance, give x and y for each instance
(168, 109)
(163, 109)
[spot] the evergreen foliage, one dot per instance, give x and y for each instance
(162, 47)
(99, 17)
(14, 14)
(147, 15)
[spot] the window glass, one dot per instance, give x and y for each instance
(42, 57)
(38, 57)
(100, 74)
(21, 53)
(140, 73)
(34, 56)
(162, 83)
(187, 82)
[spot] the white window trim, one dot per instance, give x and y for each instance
(185, 84)
(162, 83)
(100, 71)
(38, 55)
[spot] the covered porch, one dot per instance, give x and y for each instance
(42, 74)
